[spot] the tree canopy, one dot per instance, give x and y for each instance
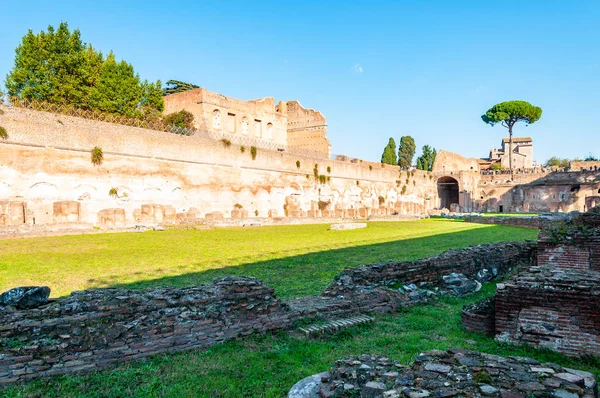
(56, 66)
(176, 86)
(389, 153)
(558, 162)
(508, 114)
(425, 161)
(406, 151)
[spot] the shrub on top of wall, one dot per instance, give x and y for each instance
(370, 167)
(238, 206)
(256, 213)
(253, 151)
(403, 189)
(97, 156)
(113, 192)
(322, 179)
(297, 164)
(242, 149)
(3, 133)
(329, 169)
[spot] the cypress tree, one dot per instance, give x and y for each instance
(389, 152)
(406, 151)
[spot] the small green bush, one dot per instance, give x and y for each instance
(114, 192)
(403, 190)
(242, 149)
(256, 213)
(226, 142)
(370, 167)
(238, 206)
(181, 119)
(316, 171)
(253, 151)
(322, 179)
(97, 156)
(329, 169)
(381, 200)
(357, 183)
(3, 133)
(297, 164)
(407, 180)
(415, 183)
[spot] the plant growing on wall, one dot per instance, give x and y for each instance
(381, 200)
(510, 113)
(403, 189)
(226, 142)
(242, 149)
(238, 206)
(323, 205)
(114, 192)
(370, 167)
(316, 171)
(97, 156)
(181, 119)
(297, 164)
(256, 213)
(322, 179)
(3, 133)
(329, 169)
(253, 152)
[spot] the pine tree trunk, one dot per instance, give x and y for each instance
(510, 151)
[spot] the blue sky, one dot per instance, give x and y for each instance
(376, 69)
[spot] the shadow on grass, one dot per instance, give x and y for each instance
(309, 274)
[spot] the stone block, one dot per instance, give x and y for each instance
(347, 226)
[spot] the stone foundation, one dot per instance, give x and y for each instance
(480, 317)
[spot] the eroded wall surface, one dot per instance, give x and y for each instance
(152, 177)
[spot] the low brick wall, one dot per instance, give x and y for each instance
(524, 222)
(497, 258)
(480, 317)
(96, 328)
(558, 310)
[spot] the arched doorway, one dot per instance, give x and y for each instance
(447, 191)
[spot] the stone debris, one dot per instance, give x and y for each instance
(448, 374)
(347, 226)
(25, 297)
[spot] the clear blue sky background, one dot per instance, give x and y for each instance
(376, 69)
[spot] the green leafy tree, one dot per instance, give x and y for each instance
(152, 98)
(389, 153)
(555, 161)
(591, 158)
(425, 161)
(508, 114)
(176, 86)
(406, 151)
(54, 66)
(118, 90)
(181, 119)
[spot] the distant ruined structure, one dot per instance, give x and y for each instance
(285, 123)
(522, 154)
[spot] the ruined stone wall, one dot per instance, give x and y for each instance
(154, 177)
(524, 222)
(497, 259)
(96, 328)
(258, 119)
(585, 165)
(307, 128)
(551, 309)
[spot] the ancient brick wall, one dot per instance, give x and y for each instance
(525, 222)
(553, 309)
(96, 328)
(496, 258)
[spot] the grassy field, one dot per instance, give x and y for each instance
(295, 260)
(268, 365)
(509, 214)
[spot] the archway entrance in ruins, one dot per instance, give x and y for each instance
(447, 191)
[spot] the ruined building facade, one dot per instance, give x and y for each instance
(286, 124)
(522, 154)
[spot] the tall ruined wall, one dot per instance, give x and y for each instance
(307, 128)
(46, 176)
(258, 119)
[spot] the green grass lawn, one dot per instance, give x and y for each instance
(268, 365)
(296, 260)
(510, 214)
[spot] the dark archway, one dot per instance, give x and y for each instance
(447, 191)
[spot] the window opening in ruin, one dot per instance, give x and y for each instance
(216, 119)
(575, 188)
(231, 122)
(500, 209)
(270, 131)
(257, 128)
(245, 125)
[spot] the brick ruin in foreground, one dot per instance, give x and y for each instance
(556, 303)
(92, 329)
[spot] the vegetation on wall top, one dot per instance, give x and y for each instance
(176, 86)
(3, 133)
(57, 67)
(97, 156)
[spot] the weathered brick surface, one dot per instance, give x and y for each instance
(551, 308)
(525, 222)
(497, 258)
(480, 317)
